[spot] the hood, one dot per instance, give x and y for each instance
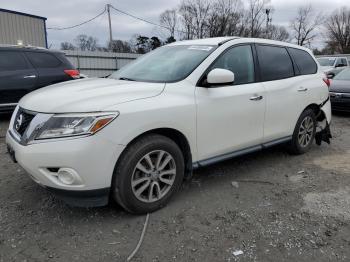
(340, 86)
(88, 95)
(327, 69)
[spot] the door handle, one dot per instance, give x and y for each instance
(30, 76)
(256, 98)
(302, 89)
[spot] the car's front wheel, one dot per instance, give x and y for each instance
(148, 173)
(304, 133)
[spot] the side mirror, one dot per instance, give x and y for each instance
(340, 65)
(330, 75)
(220, 76)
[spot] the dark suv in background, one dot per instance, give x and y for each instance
(24, 69)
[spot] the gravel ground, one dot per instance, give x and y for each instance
(269, 205)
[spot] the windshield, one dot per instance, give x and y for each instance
(343, 75)
(326, 61)
(165, 64)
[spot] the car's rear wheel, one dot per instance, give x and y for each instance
(304, 133)
(148, 173)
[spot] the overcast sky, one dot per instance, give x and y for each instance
(69, 12)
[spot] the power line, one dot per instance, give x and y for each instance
(83, 23)
(118, 10)
(142, 19)
(138, 18)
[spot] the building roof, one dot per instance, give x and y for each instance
(24, 14)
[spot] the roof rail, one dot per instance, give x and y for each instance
(227, 40)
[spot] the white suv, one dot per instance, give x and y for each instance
(136, 135)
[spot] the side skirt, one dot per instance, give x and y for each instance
(241, 152)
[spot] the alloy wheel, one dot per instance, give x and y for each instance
(306, 131)
(153, 176)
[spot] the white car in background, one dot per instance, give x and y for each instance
(333, 64)
(137, 134)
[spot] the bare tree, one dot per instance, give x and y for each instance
(194, 15)
(305, 25)
(204, 18)
(86, 43)
(186, 21)
(338, 30)
(279, 33)
(255, 17)
(67, 46)
(119, 46)
(225, 18)
(168, 19)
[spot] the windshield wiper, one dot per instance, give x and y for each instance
(126, 79)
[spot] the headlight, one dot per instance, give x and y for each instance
(67, 125)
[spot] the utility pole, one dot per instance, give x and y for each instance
(268, 20)
(110, 23)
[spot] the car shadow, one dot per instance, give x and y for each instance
(242, 161)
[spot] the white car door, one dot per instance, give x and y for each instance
(287, 95)
(230, 118)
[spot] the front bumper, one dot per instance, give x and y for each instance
(93, 158)
(341, 104)
(85, 198)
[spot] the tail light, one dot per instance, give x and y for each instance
(327, 81)
(73, 73)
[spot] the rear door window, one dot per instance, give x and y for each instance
(12, 61)
(43, 60)
(305, 63)
(275, 63)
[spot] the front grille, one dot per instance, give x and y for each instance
(22, 121)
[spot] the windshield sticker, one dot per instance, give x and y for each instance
(200, 47)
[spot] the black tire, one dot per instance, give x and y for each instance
(295, 147)
(126, 166)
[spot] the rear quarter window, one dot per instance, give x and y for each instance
(43, 60)
(305, 63)
(12, 61)
(275, 63)
(65, 60)
(344, 61)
